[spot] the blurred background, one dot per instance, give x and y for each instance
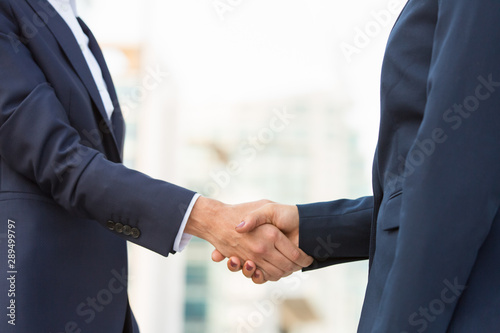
(242, 100)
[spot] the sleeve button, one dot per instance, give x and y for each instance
(111, 225)
(135, 233)
(119, 228)
(127, 230)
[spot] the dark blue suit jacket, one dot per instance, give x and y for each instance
(432, 228)
(69, 202)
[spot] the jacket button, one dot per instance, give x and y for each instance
(135, 233)
(127, 230)
(119, 228)
(111, 225)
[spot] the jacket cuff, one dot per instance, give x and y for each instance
(335, 232)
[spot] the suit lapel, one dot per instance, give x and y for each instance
(71, 49)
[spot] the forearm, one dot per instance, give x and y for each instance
(111, 192)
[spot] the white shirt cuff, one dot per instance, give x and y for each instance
(182, 239)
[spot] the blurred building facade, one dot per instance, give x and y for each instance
(311, 152)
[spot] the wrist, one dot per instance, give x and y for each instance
(290, 222)
(202, 218)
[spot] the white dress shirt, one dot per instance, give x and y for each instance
(67, 10)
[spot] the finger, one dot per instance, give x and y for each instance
(285, 259)
(292, 253)
(257, 218)
(258, 277)
(249, 268)
(276, 254)
(217, 256)
(268, 258)
(234, 264)
(273, 270)
(277, 266)
(260, 274)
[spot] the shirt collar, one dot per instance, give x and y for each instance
(64, 5)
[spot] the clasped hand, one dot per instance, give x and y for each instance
(261, 234)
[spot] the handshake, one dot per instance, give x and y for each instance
(260, 238)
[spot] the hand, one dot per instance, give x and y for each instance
(266, 247)
(284, 217)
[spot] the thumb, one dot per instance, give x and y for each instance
(257, 218)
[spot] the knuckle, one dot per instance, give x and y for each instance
(259, 249)
(272, 234)
(264, 202)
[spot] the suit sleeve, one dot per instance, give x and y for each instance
(336, 232)
(38, 141)
(451, 199)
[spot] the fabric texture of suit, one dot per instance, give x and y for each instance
(62, 184)
(432, 228)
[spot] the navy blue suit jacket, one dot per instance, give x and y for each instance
(67, 204)
(432, 228)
